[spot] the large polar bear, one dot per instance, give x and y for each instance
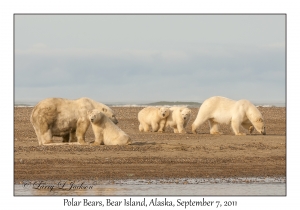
(153, 116)
(105, 131)
(219, 110)
(178, 119)
(65, 118)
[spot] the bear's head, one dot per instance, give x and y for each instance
(94, 115)
(164, 112)
(110, 114)
(260, 126)
(185, 113)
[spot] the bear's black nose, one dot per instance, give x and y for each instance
(163, 114)
(92, 120)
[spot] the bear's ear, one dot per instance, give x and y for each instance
(104, 110)
(180, 109)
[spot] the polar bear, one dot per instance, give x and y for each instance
(65, 118)
(153, 116)
(219, 110)
(178, 119)
(105, 131)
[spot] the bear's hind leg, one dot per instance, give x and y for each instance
(199, 121)
(214, 127)
(145, 127)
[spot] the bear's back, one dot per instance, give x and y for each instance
(218, 104)
(50, 107)
(147, 111)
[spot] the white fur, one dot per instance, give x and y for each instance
(105, 131)
(219, 110)
(154, 117)
(178, 119)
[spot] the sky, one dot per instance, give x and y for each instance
(149, 58)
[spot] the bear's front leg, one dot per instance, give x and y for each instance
(46, 138)
(235, 124)
(154, 126)
(180, 129)
(174, 127)
(251, 129)
(44, 133)
(248, 126)
(162, 126)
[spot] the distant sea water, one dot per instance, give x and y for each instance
(159, 103)
(251, 186)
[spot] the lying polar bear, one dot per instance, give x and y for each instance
(153, 116)
(65, 118)
(178, 119)
(105, 131)
(219, 110)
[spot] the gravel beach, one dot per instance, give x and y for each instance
(154, 155)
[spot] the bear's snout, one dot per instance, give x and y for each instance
(163, 115)
(92, 119)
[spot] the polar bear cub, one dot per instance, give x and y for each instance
(219, 110)
(178, 119)
(153, 116)
(105, 131)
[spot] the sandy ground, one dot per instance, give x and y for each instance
(154, 155)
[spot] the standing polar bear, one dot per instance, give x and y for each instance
(65, 118)
(105, 131)
(178, 119)
(219, 110)
(153, 116)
